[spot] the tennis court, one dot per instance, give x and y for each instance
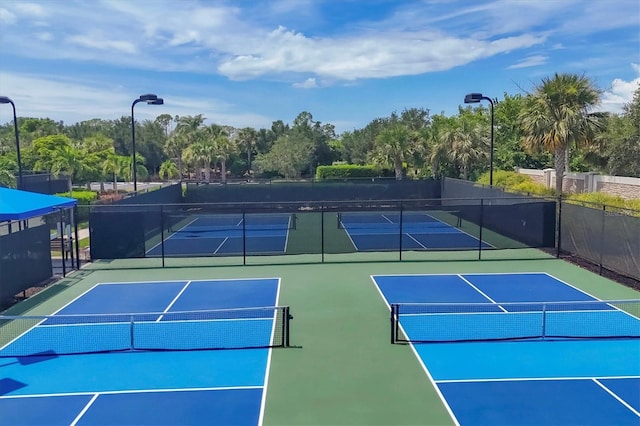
(519, 348)
(142, 353)
(225, 235)
(407, 230)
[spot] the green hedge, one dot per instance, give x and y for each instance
(342, 171)
(84, 199)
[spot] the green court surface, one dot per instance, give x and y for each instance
(341, 368)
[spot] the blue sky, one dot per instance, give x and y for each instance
(248, 63)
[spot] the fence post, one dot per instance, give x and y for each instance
(400, 240)
(480, 231)
(244, 238)
(604, 213)
(162, 234)
(559, 228)
(75, 231)
(322, 230)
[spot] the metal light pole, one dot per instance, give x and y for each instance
(473, 98)
(6, 100)
(150, 99)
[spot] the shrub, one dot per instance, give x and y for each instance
(345, 171)
(84, 199)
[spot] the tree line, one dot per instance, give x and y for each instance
(552, 126)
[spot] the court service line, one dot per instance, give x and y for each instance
(480, 291)
(84, 410)
(175, 299)
(620, 400)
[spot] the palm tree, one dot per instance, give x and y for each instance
(114, 164)
(202, 152)
(393, 145)
(247, 138)
(465, 143)
(174, 148)
(224, 148)
(556, 117)
(69, 160)
(168, 170)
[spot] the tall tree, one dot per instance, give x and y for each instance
(247, 139)
(467, 142)
(168, 170)
(556, 116)
(393, 146)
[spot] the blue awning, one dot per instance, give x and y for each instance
(22, 205)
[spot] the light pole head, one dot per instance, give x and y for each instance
(473, 98)
(157, 101)
(148, 97)
(5, 100)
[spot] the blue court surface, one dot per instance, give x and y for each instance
(520, 349)
(227, 235)
(164, 386)
(420, 231)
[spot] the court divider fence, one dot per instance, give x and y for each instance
(608, 237)
(191, 230)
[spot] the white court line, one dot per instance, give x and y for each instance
(220, 246)
(620, 400)
(175, 299)
(263, 402)
(84, 410)
(481, 292)
(411, 236)
(521, 379)
(120, 392)
(420, 361)
(385, 217)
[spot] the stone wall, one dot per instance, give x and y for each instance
(625, 187)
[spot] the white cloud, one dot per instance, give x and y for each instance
(44, 36)
(531, 61)
(620, 93)
(72, 100)
(29, 9)
(97, 41)
(307, 84)
(371, 55)
(7, 17)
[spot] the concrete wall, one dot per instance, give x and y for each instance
(625, 187)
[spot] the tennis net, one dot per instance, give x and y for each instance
(161, 331)
(459, 322)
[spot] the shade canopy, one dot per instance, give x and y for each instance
(22, 205)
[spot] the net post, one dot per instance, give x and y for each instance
(393, 324)
(285, 325)
(544, 321)
(131, 341)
